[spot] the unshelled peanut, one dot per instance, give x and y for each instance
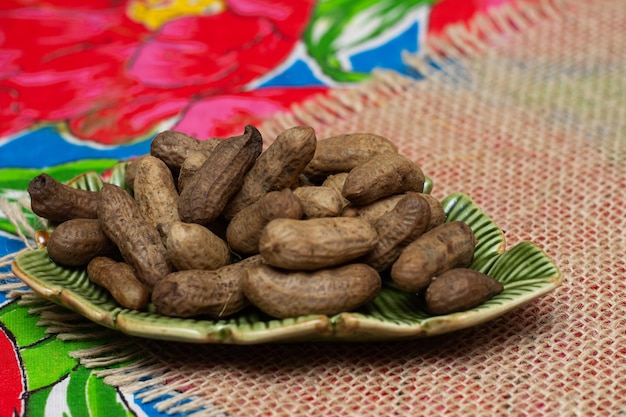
(316, 243)
(283, 294)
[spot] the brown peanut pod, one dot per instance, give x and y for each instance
(138, 241)
(216, 293)
(77, 241)
(244, 230)
(278, 167)
(155, 192)
(372, 211)
(284, 294)
(460, 289)
(188, 169)
(315, 243)
(192, 246)
(59, 202)
(450, 245)
(336, 181)
(437, 214)
(408, 220)
(342, 153)
(381, 176)
(131, 171)
(318, 201)
(204, 197)
(121, 281)
(174, 147)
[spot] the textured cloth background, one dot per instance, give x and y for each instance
(526, 115)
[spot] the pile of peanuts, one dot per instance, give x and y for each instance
(303, 227)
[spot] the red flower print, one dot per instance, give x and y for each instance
(12, 383)
(113, 70)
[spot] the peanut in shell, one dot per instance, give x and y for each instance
(120, 280)
(408, 220)
(460, 289)
(155, 191)
(131, 171)
(316, 243)
(59, 202)
(450, 245)
(437, 214)
(278, 167)
(173, 147)
(206, 194)
(188, 169)
(318, 201)
(75, 242)
(382, 176)
(341, 153)
(244, 230)
(282, 294)
(137, 240)
(192, 246)
(191, 293)
(373, 210)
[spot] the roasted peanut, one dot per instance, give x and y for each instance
(190, 166)
(192, 293)
(204, 197)
(437, 214)
(448, 246)
(278, 167)
(283, 294)
(244, 230)
(75, 242)
(59, 202)
(341, 153)
(336, 181)
(396, 229)
(318, 201)
(192, 246)
(315, 243)
(174, 147)
(120, 280)
(460, 289)
(138, 241)
(381, 176)
(374, 210)
(131, 171)
(155, 192)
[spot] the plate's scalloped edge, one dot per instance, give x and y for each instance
(298, 329)
(34, 284)
(347, 327)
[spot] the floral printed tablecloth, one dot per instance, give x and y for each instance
(86, 84)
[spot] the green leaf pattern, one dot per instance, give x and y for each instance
(338, 28)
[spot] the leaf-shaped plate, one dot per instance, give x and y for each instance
(525, 270)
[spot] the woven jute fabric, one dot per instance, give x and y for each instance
(525, 111)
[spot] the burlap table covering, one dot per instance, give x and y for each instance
(525, 113)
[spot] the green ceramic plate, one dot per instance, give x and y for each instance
(525, 270)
